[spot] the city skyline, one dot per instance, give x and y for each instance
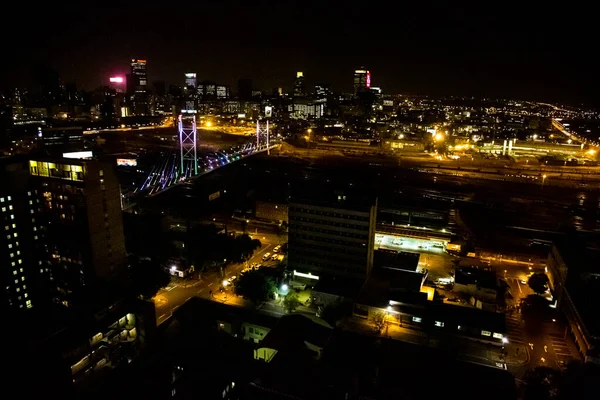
(437, 51)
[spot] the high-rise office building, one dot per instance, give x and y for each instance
(362, 80)
(322, 92)
(137, 86)
(190, 81)
(25, 272)
(139, 75)
(81, 210)
(299, 85)
(222, 92)
(331, 232)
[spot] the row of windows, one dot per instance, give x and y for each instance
(346, 224)
(307, 229)
(323, 240)
(293, 209)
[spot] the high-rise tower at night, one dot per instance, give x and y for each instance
(139, 75)
(137, 87)
(362, 80)
(299, 87)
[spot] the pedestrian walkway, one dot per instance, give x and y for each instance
(514, 328)
(561, 345)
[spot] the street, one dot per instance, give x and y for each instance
(168, 299)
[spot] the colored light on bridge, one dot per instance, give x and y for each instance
(116, 79)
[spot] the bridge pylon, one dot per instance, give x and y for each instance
(188, 142)
(262, 132)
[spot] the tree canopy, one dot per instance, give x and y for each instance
(576, 381)
(538, 283)
(254, 286)
(148, 278)
(291, 302)
(206, 248)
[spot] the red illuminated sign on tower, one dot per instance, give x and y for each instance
(368, 79)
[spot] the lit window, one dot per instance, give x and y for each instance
(34, 229)
(12, 216)
(20, 261)
(31, 211)
(486, 333)
(30, 201)
(22, 278)
(12, 255)
(18, 252)
(1, 199)
(8, 237)
(20, 269)
(18, 290)
(417, 319)
(6, 227)
(14, 272)
(9, 198)
(35, 237)
(439, 324)
(13, 264)
(497, 335)
(28, 193)
(10, 246)
(3, 209)
(25, 294)
(14, 226)
(15, 234)
(10, 207)
(28, 303)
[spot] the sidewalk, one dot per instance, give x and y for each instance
(465, 349)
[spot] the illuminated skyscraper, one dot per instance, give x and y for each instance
(299, 86)
(139, 75)
(190, 81)
(362, 80)
(80, 210)
(137, 85)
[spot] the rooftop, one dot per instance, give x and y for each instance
(292, 331)
(396, 259)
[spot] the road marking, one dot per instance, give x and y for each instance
(519, 286)
(162, 316)
(210, 283)
(188, 299)
(176, 307)
(200, 291)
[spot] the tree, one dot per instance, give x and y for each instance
(335, 311)
(377, 317)
(148, 278)
(254, 286)
(291, 302)
(576, 381)
(538, 283)
(208, 249)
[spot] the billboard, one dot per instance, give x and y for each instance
(126, 162)
(368, 79)
(116, 79)
(268, 111)
(78, 154)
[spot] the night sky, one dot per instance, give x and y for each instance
(495, 49)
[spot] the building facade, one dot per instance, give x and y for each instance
(81, 212)
(331, 238)
(26, 271)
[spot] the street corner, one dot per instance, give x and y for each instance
(517, 355)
